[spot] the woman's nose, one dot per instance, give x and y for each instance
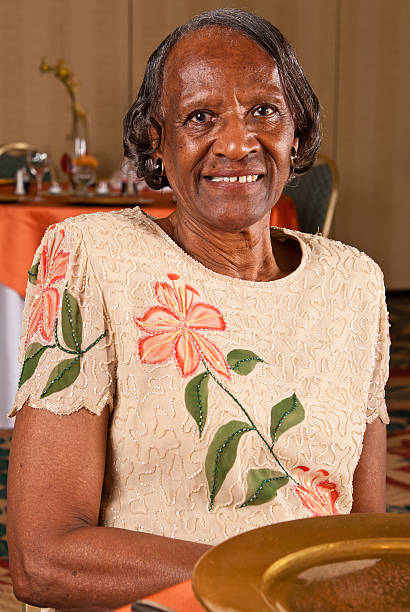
(234, 139)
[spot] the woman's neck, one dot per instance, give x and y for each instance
(249, 254)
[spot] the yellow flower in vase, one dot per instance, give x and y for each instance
(79, 135)
(67, 77)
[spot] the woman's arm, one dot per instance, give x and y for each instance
(59, 557)
(369, 480)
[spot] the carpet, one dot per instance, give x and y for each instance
(398, 403)
(8, 603)
(398, 442)
(5, 440)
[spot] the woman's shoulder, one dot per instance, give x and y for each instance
(339, 257)
(111, 218)
(102, 226)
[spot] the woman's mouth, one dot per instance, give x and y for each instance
(245, 178)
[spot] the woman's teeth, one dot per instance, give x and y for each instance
(249, 178)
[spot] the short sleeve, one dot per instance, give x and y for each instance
(376, 405)
(66, 353)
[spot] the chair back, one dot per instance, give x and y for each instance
(315, 196)
(13, 157)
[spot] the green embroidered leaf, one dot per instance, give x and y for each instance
(288, 413)
(31, 359)
(32, 273)
(71, 322)
(242, 361)
(222, 454)
(196, 399)
(62, 376)
(263, 484)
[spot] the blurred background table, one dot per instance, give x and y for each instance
(23, 222)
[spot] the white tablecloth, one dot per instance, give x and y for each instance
(11, 308)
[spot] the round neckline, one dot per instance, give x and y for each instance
(295, 235)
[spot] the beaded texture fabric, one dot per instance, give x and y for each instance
(234, 404)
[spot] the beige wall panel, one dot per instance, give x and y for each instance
(310, 26)
(92, 36)
(373, 146)
(152, 22)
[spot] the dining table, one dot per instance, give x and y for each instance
(177, 598)
(23, 221)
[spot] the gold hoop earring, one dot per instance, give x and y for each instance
(160, 167)
(293, 157)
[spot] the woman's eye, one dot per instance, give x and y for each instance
(200, 117)
(263, 111)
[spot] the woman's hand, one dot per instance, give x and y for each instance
(369, 480)
(59, 556)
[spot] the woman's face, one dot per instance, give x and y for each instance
(226, 129)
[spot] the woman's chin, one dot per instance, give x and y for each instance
(236, 222)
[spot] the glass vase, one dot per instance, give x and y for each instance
(79, 136)
(78, 145)
(82, 176)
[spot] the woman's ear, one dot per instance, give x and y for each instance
(154, 134)
(296, 143)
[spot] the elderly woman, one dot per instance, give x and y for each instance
(187, 379)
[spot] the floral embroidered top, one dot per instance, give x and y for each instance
(235, 404)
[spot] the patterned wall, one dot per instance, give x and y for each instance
(92, 35)
(356, 55)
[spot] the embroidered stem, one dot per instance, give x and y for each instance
(238, 363)
(90, 346)
(80, 351)
(44, 346)
(58, 342)
(237, 402)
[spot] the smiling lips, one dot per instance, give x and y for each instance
(248, 178)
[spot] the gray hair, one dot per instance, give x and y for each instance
(301, 100)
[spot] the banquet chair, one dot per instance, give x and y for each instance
(12, 157)
(315, 194)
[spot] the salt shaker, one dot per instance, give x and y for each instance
(20, 190)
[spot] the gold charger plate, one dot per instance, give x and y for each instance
(340, 563)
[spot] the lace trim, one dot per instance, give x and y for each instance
(44, 404)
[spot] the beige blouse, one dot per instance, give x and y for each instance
(235, 404)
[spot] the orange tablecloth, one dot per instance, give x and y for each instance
(23, 225)
(179, 598)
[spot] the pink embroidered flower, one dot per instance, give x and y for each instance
(172, 330)
(52, 268)
(316, 492)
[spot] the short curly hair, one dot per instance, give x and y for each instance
(302, 101)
